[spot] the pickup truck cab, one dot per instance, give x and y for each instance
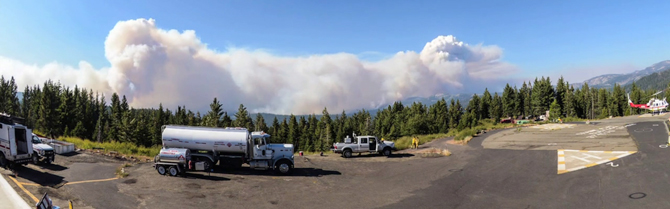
(42, 151)
(362, 144)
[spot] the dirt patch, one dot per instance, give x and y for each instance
(193, 186)
(54, 193)
(433, 152)
(130, 181)
(193, 196)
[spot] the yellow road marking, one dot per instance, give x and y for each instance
(614, 158)
(562, 162)
(561, 155)
(608, 151)
(562, 171)
(88, 181)
(583, 151)
(25, 190)
(76, 182)
(592, 164)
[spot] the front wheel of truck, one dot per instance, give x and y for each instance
(284, 167)
(36, 158)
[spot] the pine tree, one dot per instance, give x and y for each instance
(213, 118)
(242, 118)
(260, 123)
(293, 132)
(508, 101)
(484, 106)
(554, 110)
(496, 108)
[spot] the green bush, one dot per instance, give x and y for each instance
(465, 133)
(120, 147)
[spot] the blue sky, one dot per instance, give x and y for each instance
(540, 37)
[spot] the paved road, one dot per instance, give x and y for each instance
(9, 199)
(499, 178)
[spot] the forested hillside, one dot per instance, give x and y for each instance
(63, 111)
(655, 81)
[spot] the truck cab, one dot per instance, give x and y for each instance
(278, 157)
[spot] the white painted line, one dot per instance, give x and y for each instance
(561, 159)
(561, 167)
(9, 199)
(593, 156)
(582, 159)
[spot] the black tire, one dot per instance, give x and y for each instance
(387, 152)
(161, 169)
(36, 159)
(284, 167)
(346, 153)
(173, 171)
(3, 161)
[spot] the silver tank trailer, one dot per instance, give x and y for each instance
(229, 140)
(174, 155)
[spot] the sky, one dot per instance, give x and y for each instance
(299, 56)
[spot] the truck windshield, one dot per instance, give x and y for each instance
(36, 140)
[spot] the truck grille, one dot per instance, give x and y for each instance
(50, 152)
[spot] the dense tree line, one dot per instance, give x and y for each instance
(58, 110)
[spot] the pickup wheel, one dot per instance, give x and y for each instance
(347, 153)
(387, 152)
(36, 158)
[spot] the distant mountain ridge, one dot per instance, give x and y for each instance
(608, 80)
(657, 81)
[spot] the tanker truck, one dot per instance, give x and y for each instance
(194, 148)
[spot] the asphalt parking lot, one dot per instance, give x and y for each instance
(478, 175)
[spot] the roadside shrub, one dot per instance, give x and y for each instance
(405, 142)
(120, 147)
(465, 133)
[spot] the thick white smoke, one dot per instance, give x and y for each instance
(151, 66)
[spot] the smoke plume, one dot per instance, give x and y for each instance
(151, 65)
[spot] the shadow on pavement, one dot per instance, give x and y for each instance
(301, 172)
(205, 176)
(41, 178)
(397, 155)
(53, 167)
(70, 154)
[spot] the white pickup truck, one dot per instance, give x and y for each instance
(42, 151)
(362, 144)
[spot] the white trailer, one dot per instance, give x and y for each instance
(15, 141)
(200, 148)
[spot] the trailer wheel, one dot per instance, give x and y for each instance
(347, 153)
(173, 170)
(161, 169)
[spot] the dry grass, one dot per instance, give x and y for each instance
(434, 152)
(120, 172)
